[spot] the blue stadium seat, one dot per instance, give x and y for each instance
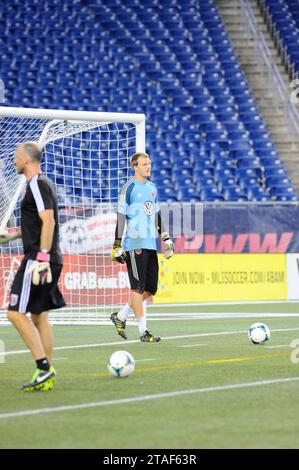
(257, 194)
(234, 193)
(202, 121)
(211, 194)
(226, 183)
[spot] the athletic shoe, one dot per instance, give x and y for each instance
(48, 385)
(41, 380)
(119, 325)
(147, 337)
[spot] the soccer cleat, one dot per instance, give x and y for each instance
(50, 382)
(119, 325)
(41, 380)
(147, 337)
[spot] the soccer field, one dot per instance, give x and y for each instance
(203, 386)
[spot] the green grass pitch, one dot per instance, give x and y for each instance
(203, 386)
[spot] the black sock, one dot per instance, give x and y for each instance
(43, 364)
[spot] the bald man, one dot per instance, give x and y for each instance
(34, 289)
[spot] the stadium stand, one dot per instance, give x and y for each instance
(283, 19)
(171, 60)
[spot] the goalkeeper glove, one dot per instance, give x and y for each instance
(118, 253)
(41, 269)
(169, 246)
(7, 235)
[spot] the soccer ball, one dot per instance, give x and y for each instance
(121, 364)
(259, 333)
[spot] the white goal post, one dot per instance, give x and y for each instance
(86, 155)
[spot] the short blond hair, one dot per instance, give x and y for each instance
(136, 156)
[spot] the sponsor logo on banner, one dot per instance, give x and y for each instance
(220, 278)
(91, 235)
(86, 280)
(93, 280)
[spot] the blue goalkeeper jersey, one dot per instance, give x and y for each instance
(139, 203)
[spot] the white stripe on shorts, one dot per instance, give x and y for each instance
(26, 287)
(134, 265)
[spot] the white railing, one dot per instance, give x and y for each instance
(270, 71)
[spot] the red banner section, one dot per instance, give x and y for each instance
(86, 280)
(93, 280)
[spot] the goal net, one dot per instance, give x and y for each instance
(86, 155)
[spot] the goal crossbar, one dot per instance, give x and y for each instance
(70, 115)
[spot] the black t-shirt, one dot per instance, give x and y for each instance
(39, 196)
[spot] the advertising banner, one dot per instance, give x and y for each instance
(93, 281)
(222, 277)
(293, 276)
(239, 228)
(86, 280)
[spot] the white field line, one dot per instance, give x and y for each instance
(141, 398)
(239, 302)
(278, 346)
(220, 314)
(134, 341)
(145, 360)
(182, 314)
(101, 319)
(192, 345)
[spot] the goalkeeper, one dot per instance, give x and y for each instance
(138, 209)
(34, 288)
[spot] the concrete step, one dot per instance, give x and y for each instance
(278, 126)
(267, 104)
(249, 58)
(284, 148)
(292, 165)
(261, 88)
(236, 35)
(234, 27)
(277, 129)
(259, 75)
(284, 138)
(274, 122)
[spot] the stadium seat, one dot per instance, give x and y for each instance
(202, 120)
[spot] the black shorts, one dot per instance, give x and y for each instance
(143, 270)
(26, 297)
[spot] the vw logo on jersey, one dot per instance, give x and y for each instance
(148, 207)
